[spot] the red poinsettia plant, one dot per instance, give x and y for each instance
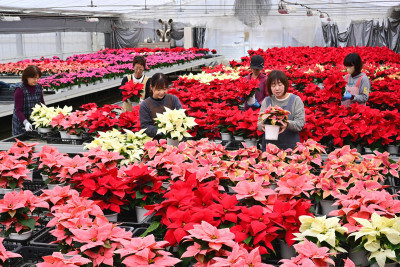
(145, 187)
(132, 91)
(105, 187)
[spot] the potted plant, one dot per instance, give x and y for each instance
(144, 188)
(41, 116)
(273, 118)
(174, 125)
(132, 92)
(16, 209)
(380, 238)
(13, 172)
(106, 188)
(322, 231)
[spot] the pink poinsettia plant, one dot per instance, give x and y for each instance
(24, 151)
(57, 259)
(16, 210)
(13, 171)
(75, 122)
(145, 251)
(274, 116)
(309, 255)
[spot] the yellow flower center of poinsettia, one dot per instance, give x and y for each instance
(79, 226)
(10, 206)
(94, 239)
(261, 219)
(150, 261)
(252, 192)
(183, 224)
(213, 237)
(251, 265)
(225, 210)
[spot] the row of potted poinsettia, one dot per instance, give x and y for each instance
(326, 120)
(104, 64)
(199, 173)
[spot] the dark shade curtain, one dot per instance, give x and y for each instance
(364, 33)
(125, 34)
(199, 37)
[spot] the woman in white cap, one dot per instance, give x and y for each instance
(256, 66)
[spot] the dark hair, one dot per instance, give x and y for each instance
(353, 59)
(159, 80)
(30, 72)
(139, 60)
(277, 75)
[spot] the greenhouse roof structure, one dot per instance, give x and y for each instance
(186, 8)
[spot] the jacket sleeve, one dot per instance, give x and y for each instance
(146, 122)
(176, 103)
(262, 109)
(19, 104)
(364, 89)
(299, 116)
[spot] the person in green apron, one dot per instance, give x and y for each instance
(139, 65)
(156, 103)
(358, 85)
(277, 86)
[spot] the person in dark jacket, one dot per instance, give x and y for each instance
(139, 65)
(27, 94)
(256, 66)
(156, 103)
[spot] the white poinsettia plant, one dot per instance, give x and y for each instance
(324, 232)
(128, 144)
(42, 115)
(206, 78)
(174, 123)
(381, 237)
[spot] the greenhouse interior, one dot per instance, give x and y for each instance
(205, 133)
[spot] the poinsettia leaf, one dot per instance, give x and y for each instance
(153, 226)
(29, 223)
(247, 240)
(139, 195)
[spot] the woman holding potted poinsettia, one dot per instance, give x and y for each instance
(156, 103)
(279, 98)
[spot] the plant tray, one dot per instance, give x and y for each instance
(56, 139)
(37, 231)
(30, 256)
(33, 186)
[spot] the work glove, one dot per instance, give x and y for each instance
(256, 105)
(28, 126)
(346, 96)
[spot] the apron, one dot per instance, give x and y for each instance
(287, 139)
(30, 100)
(354, 90)
(158, 109)
(127, 104)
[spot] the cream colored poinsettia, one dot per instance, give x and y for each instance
(128, 144)
(42, 115)
(174, 123)
(206, 78)
(322, 228)
(376, 233)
